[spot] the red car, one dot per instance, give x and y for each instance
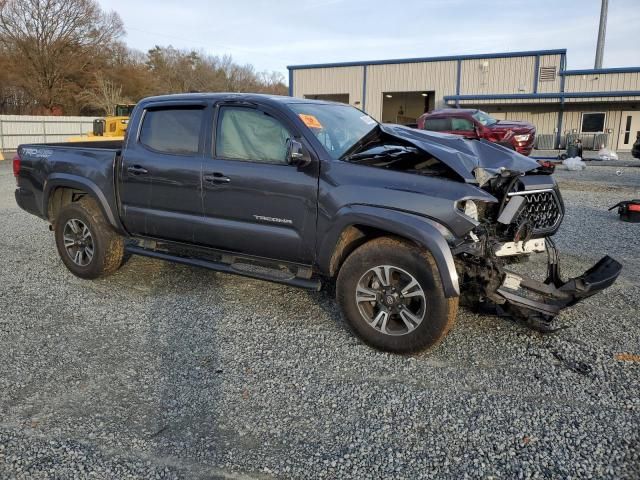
(474, 123)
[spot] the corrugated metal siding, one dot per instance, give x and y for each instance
(573, 118)
(602, 99)
(602, 82)
(329, 80)
(18, 129)
(502, 101)
(550, 61)
(501, 75)
(509, 75)
(439, 77)
(544, 118)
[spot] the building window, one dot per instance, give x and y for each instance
(593, 122)
(547, 74)
(627, 130)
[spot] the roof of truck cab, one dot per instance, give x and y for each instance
(446, 111)
(231, 96)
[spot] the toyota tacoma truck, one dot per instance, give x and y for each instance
(473, 123)
(404, 222)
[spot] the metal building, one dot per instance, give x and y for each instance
(602, 106)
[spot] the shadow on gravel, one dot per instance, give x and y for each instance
(326, 300)
(183, 306)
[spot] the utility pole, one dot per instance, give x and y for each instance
(602, 31)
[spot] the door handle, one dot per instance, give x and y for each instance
(216, 177)
(137, 170)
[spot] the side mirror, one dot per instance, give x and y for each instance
(477, 130)
(295, 153)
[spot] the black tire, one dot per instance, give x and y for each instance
(107, 246)
(407, 262)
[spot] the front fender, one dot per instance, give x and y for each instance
(65, 180)
(422, 231)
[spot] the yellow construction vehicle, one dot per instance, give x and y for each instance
(108, 128)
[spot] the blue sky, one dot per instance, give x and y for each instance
(273, 34)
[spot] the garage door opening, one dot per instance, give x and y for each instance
(330, 97)
(405, 107)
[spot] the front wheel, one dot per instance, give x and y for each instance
(87, 245)
(392, 298)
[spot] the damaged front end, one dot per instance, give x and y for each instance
(507, 214)
(519, 225)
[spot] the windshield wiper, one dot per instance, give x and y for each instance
(361, 143)
(393, 151)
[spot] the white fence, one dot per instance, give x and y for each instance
(18, 129)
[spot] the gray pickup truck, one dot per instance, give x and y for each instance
(296, 191)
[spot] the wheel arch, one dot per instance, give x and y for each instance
(62, 189)
(358, 224)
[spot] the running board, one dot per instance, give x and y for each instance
(240, 266)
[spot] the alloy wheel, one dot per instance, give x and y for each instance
(78, 242)
(391, 300)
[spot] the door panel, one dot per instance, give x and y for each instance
(175, 205)
(252, 204)
(161, 188)
(629, 128)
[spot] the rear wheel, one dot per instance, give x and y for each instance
(87, 245)
(391, 296)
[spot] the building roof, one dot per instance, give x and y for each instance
(530, 53)
(453, 110)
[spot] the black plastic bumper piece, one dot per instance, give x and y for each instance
(552, 295)
(26, 200)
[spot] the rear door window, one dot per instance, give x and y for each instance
(175, 131)
(438, 124)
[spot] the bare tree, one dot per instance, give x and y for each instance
(272, 82)
(102, 95)
(53, 41)
(66, 55)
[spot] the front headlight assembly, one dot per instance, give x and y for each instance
(469, 208)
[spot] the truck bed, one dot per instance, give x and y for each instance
(87, 166)
(102, 144)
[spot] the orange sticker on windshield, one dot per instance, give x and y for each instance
(310, 121)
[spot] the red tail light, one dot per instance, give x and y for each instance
(16, 165)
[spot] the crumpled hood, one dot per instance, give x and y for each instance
(474, 160)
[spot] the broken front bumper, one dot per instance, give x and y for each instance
(492, 282)
(552, 295)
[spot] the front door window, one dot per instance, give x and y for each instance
(251, 135)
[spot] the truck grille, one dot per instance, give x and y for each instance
(542, 210)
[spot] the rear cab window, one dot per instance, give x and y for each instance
(175, 131)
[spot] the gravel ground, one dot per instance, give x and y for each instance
(624, 158)
(165, 371)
